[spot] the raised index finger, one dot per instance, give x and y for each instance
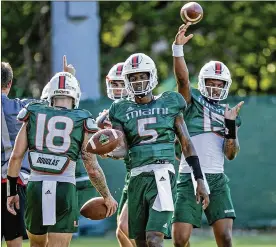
(64, 62)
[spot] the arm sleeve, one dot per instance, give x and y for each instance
(112, 116)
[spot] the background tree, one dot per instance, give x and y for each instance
(241, 34)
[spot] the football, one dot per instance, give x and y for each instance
(104, 141)
(94, 209)
(191, 12)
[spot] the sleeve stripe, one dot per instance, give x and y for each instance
(90, 130)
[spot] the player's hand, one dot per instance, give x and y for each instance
(103, 156)
(180, 38)
(232, 113)
(111, 205)
(11, 202)
(103, 120)
(202, 192)
(68, 68)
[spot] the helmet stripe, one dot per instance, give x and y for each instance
(119, 70)
(135, 62)
(61, 84)
(218, 68)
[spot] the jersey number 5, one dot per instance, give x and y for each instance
(142, 131)
(53, 132)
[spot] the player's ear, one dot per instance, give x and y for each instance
(9, 84)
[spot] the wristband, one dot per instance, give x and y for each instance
(230, 129)
(177, 50)
(11, 186)
(193, 162)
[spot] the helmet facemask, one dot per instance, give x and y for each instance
(141, 87)
(214, 70)
(114, 80)
(209, 91)
(140, 63)
(115, 90)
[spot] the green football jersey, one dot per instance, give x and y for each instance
(202, 116)
(55, 135)
(149, 128)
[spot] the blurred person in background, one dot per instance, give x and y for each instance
(12, 226)
(116, 89)
(213, 128)
(150, 124)
(51, 208)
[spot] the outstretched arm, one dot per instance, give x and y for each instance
(180, 68)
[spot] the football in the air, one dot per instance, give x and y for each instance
(104, 141)
(94, 209)
(191, 12)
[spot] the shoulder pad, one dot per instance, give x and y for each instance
(90, 125)
(34, 103)
(23, 115)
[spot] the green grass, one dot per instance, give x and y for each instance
(263, 240)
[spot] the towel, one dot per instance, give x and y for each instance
(49, 202)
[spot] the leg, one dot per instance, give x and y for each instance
(15, 242)
(159, 222)
(220, 212)
(66, 215)
(223, 232)
(37, 240)
(122, 229)
(141, 243)
(137, 209)
(187, 212)
(155, 239)
(59, 239)
(181, 234)
(12, 226)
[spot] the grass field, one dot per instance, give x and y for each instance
(263, 240)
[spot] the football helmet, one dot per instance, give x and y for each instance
(45, 92)
(214, 70)
(115, 74)
(64, 84)
(139, 62)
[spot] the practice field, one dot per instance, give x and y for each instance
(263, 240)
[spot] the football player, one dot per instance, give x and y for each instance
(85, 190)
(213, 128)
(150, 124)
(116, 89)
(55, 136)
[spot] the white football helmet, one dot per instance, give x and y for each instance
(139, 62)
(45, 92)
(64, 84)
(115, 74)
(214, 70)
